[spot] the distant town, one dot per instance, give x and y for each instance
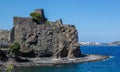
(116, 43)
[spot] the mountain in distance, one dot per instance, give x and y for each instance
(115, 43)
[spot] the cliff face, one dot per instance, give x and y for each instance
(4, 35)
(55, 40)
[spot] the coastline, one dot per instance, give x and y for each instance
(51, 61)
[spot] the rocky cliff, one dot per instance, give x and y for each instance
(4, 38)
(54, 40)
(30, 40)
(45, 40)
(4, 35)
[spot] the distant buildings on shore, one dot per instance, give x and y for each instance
(90, 43)
(116, 43)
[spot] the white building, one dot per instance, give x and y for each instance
(90, 43)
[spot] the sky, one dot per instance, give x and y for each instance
(95, 20)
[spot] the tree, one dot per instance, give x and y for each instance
(14, 48)
(47, 22)
(38, 18)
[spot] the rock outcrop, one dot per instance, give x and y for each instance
(54, 40)
(4, 35)
(3, 56)
(4, 44)
(45, 40)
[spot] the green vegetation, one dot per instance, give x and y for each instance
(10, 68)
(14, 48)
(2, 39)
(38, 18)
(47, 22)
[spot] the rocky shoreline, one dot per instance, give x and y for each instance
(51, 61)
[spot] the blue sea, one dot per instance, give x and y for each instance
(108, 65)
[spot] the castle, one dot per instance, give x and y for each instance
(42, 40)
(41, 44)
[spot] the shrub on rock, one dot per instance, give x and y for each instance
(14, 48)
(38, 18)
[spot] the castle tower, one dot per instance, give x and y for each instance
(41, 11)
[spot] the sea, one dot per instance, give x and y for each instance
(109, 65)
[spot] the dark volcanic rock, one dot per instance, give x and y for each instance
(4, 44)
(54, 40)
(3, 56)
(42, 40)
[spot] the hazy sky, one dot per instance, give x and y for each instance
(95, 20)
